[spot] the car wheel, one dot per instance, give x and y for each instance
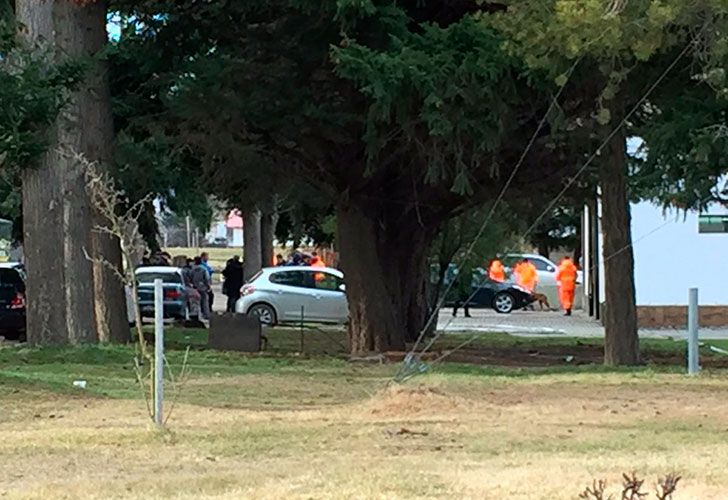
(504, 303)
(265, 314)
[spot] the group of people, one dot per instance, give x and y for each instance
(197, 274)
(298, 258)
(525, 275)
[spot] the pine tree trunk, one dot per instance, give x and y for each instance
(57, 210)
(268, 223)
(112, 323)
(621, 346)
(252, 262)
(384, 262)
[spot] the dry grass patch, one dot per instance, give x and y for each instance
(327, 430)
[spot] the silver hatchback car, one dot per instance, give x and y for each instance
(294, 294)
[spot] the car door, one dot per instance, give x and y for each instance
(294, 295)
(331, 305)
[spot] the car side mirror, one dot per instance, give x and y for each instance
(342, 288)
(550, 269)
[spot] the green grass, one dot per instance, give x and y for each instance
(110, 369)
(283, 424)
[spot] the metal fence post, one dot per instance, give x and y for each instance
(158, 351)
(302, 319)
(693, 325)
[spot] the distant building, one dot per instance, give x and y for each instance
(227, 230)
(671, 256)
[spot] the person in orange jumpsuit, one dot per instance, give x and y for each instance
(496, 272)
(317, 261)
(526, 275)
(566, 278)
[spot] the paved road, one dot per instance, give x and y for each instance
(534, 323)
(529, 323)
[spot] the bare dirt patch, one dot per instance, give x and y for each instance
(552, 356)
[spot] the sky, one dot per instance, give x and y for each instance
(671, 256)
(113, 28)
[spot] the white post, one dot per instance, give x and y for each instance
(158, 351)
(189, 236)
(693, 325)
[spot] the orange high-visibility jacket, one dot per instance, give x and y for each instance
(496, 271)
(526, 275)
(566, 275)
(530, 276)
(318, 262)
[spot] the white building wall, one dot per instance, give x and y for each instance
(670, 257)
(237, 238)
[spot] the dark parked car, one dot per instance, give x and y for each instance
(175, 292)
(501, 297)
(12, 301)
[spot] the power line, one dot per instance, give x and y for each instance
(400, 374)
(554, 101)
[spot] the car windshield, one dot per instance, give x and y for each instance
(167, 278)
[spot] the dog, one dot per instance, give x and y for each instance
(543, 302)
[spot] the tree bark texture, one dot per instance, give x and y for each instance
(112, 323)
(57, 209)
(621, 344)
(252, 262)
(384, 262)
(268, 223)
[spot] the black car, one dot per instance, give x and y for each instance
(486, 293)
(502, 297)
(12, 301)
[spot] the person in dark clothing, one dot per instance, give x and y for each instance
(296, 259)
(280, 261)
(464, 290)
(201, 282)
(233, 274)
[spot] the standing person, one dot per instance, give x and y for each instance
(280, 261)
(317, 261)
(464, 290)
(233, 274)
(496, 272)
(526, 275)
(205, 258)
(201, 282)
(296, 259)
(194, 300)
(566, 278)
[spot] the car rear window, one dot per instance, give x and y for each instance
(168, 278)
(10, 277)
(289, 278)
(541, 265)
